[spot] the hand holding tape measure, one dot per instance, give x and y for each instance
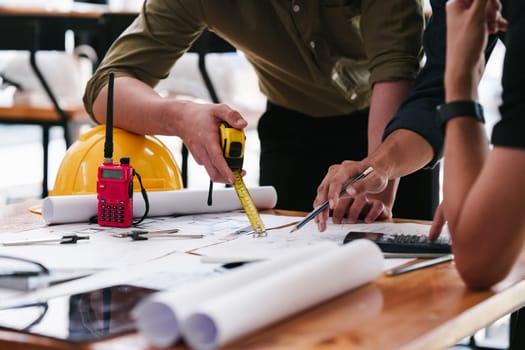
(232, 143)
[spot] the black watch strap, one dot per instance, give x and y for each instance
(455, 109)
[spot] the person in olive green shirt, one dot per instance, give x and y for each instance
(334, 73)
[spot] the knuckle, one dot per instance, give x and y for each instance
(333, 168)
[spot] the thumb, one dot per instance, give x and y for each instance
(375, 182)
(234, 119)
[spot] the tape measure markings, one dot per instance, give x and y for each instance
(233, 147)
(248, 205)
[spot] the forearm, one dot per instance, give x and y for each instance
(138, 108)
(489, 234)
(397, 155)
(466, 148)
(386, 99)
(401, 153)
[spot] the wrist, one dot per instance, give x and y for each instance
(460, 87)
(403, 151)
(381, 161)
(172, 112)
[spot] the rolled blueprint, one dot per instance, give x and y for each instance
(217, 311)
(81, 208)
(159, 317)
(266, 300)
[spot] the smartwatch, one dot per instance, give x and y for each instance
(455, 109)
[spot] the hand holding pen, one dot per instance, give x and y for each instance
(318, 210)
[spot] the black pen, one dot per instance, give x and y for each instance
(420, 265)
(323, 206)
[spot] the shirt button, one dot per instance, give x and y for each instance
(296, 8)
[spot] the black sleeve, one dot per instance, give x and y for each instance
(509, 130)
(418, 111)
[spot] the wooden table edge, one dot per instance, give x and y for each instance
(469, 322)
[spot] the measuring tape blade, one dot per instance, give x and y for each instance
(248, 205)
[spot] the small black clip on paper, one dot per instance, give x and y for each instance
(72, 239)
(138, 235)
(142, 235)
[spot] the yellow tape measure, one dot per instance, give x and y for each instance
(232, 141)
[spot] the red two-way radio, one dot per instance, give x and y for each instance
(115, 181)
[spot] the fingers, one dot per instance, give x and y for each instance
(377, 211)
(359, 205)
(351, 210)
(341, 210)
(339, 175)
(488, 10)
(217, 168)
(201, 136)
(331, 183)
(356, 205)
(321, 218)
(437, 224)
(368, 210)
(321, 223)
(467, 32)
(479, 7)
(209, 154)
(495, 20)
(330, 188)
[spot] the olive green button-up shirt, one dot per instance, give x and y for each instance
(318, 57)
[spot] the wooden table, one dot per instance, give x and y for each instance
(426, 309)
(40, 114)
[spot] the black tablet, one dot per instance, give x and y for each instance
(77, 318)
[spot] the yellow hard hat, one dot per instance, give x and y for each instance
(149, 156)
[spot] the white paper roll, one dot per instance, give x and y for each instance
(291, 289)
(159, 317)
(81, 208)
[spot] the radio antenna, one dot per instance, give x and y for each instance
(108, 144)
